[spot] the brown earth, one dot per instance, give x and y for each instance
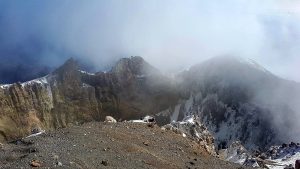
(109, 145)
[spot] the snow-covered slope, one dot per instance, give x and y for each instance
(235, 153)
(283, 155)
(5, 86)
(277, 157)
(237, 99)
(43, 81)
(245, 123)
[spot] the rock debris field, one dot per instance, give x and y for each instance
(109, 145)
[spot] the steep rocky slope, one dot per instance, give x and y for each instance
(132, 89)
(237, 99)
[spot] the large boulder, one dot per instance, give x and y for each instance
(110, 119)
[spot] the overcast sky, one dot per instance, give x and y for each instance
(38, 35)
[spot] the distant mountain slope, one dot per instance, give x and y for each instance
(240, 100)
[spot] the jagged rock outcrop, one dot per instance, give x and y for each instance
(191, 127)
(236, 153)
(284, 156)
(69, 96)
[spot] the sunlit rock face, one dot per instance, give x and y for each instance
(69, 96)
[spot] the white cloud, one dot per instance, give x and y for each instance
(171, 34)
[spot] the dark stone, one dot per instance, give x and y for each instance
(192, 163)
(146, 143)
(293, 144)
(32, 150)
(104, 162)
(289, 167)
(222, 145)
(151, 125)
(297, 164)
(34, 131)
(263, 156)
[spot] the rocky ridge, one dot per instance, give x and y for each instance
(69, 96)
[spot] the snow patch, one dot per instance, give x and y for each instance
(146, 119)
(42, 81)
(141, 76)
(86, 85)
(84, 72)
(137, 121)
(5, 86)
(188, 119)
(36, 134)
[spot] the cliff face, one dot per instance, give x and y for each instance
(69, 96)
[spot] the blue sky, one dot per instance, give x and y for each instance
(170, 34)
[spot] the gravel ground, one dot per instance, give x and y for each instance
(109, 145)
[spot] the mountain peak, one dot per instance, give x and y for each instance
(68, 71)
(230, 64)
(235, 60)
(70, 65)
(135, 65)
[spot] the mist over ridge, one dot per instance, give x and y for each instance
(38, 36)
(159, 83)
